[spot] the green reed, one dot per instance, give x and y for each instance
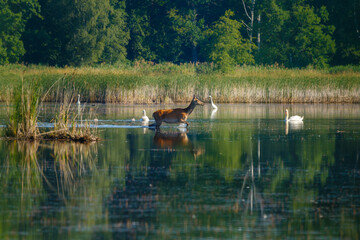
(27, 98)
(23, 119)
(146, 82)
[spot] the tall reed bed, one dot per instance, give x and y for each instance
(145, 82)
(27, 99)
(23, 119)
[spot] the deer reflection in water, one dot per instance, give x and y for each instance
(172, 141)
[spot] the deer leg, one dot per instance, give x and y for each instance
(158, 123)
(183, 120)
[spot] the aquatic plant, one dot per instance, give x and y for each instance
(23, 122)
(66, 124)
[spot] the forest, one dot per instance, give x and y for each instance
(293, 34)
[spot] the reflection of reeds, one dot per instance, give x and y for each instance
(23, 170)
(72, 160)
(37, 178)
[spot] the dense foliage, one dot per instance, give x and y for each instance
(296, 33)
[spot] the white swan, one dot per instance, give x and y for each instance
(144, 118)
(78, 101)
(295, 118)
(212, 103)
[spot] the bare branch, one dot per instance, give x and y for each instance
(247, 26)
(247, 14)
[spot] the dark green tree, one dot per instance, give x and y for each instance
(139, 46)
(345, 16)
(45, 37)
(295, 35)
(89, 21)
(78, 33)
(159, 33)
(273, 42)
(189, 29)
(311, 39)
(225, 45)
(13, 16)
(117, 34)
(150, 33)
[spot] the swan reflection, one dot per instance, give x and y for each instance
(293, 126)
(213, 113)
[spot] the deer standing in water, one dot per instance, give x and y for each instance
(177, 115)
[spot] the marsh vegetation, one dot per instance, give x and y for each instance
(146, 82)
(27, 99)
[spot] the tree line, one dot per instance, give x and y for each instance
(294, 33)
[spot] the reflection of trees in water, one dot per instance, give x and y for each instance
(47, 175)
(339, 196)
(286, 180)
(263, 183)
(133, 207)
(254, 199)
(301, 180)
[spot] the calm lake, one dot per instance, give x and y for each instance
(238, 173)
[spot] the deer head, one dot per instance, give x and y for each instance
(197, 101)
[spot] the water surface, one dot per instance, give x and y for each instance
(239, 172)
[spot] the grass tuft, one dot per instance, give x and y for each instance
(24, 117)
(23, 120)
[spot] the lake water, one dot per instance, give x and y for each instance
(238, 173)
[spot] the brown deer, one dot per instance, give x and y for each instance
(177, 115)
